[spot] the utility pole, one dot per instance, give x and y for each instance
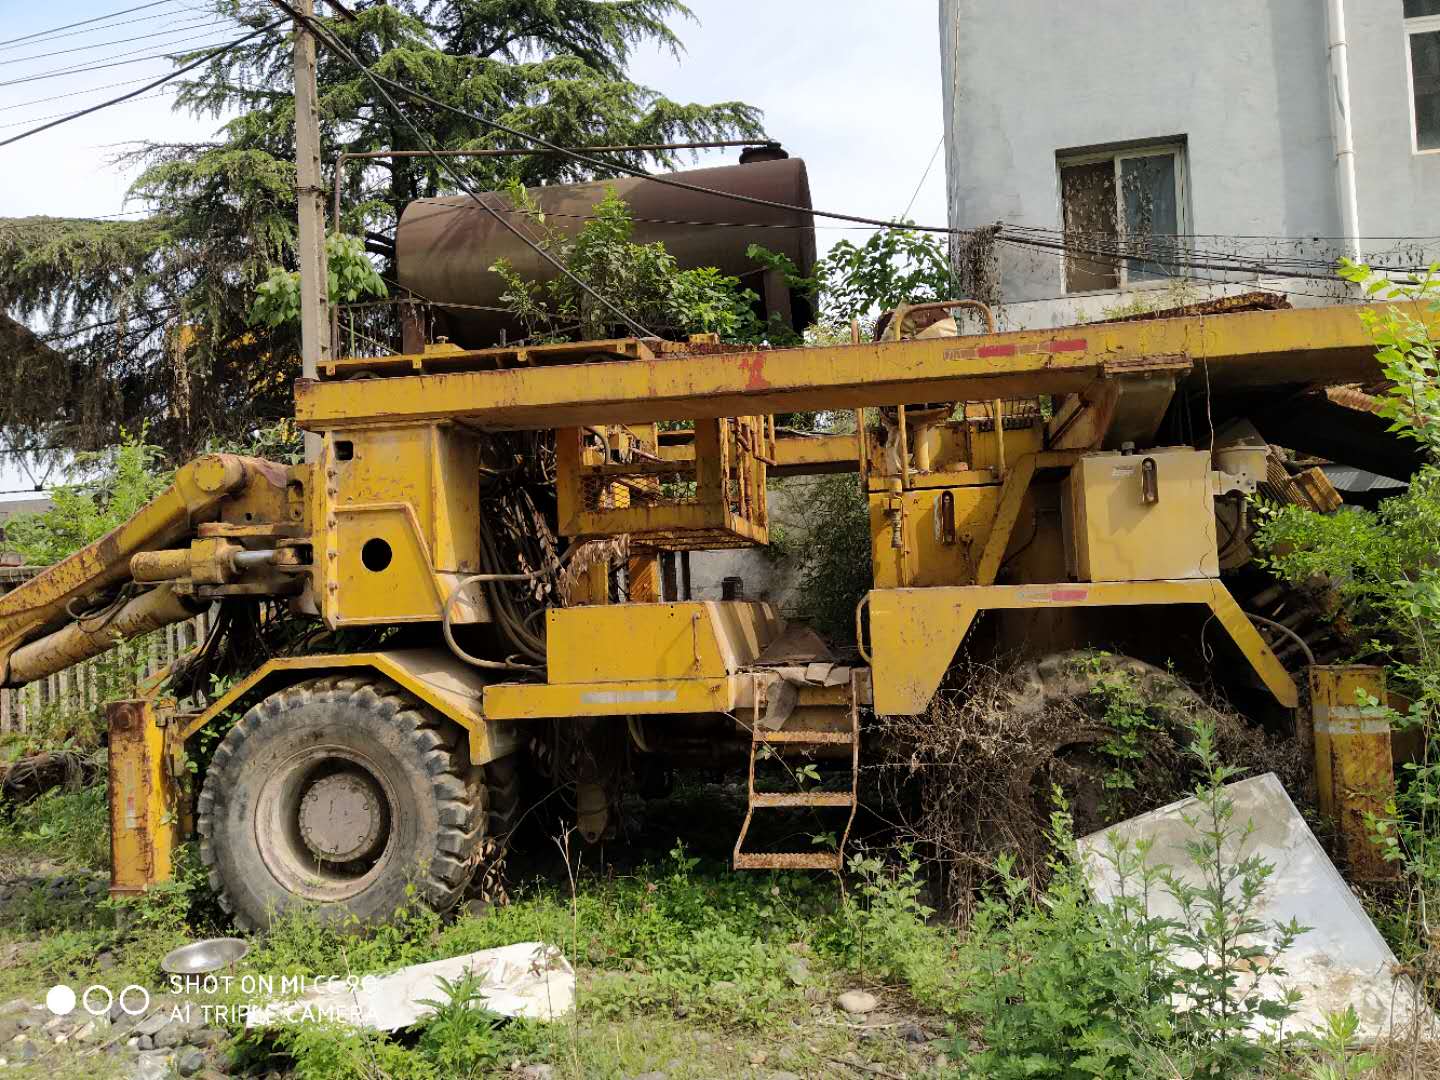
(314, 278)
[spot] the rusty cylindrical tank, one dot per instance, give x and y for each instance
(445, 247)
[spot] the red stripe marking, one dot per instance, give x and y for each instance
(995, 350)
(1069, 345)
(1059, 596)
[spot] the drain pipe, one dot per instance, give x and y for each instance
(1341, 129)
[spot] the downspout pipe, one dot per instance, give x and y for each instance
(1342, 130)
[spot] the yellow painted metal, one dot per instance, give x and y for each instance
(914, 633)
(195, 496)
(624, 481)
(1253, 349)
(1012, 500)
(813, 455)
(144, 800)
(444, 356)
(1354, 774)
(643, 659)
(930, 518)
(397, 525)
(436, 677)
(83, 639)
(641, 697)
(1116, 535)
(629, 642)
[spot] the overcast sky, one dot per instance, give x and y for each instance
(852, 86)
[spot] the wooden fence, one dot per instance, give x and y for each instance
(79, 687)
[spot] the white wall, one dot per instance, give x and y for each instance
(1245, 82)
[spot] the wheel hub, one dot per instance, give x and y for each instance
(342, 817)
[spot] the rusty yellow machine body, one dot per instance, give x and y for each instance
(1006, 473)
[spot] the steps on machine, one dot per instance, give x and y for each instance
(761, 739)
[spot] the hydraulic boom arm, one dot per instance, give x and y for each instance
(39, 630)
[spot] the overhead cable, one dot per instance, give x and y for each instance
(181, 47)
(82, 22)
(539, 249)
(171, 32)
(148, 86)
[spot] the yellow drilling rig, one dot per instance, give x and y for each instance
(499, 536)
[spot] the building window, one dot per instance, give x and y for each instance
(1124, 212)
(1422, 32)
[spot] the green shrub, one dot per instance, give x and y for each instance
(1063, 985)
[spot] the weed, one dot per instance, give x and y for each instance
(1065, 985)
(71, 826)
(1333, 1052)
(460, 1038)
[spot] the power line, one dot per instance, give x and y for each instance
(148, 86)
(324, 34)
(83, 22)
(92, 30)
(923, 177)
(207, 21)
(1224, 236)
(444, 164)
(72, 93)
(181, 47)
(37, 119)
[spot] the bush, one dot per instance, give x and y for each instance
(110, 487)
(1382, 566)
(1064, 985)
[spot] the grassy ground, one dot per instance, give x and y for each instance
(685, 969)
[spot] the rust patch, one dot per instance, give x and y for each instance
(754, 367)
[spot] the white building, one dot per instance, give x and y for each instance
(1209, 140)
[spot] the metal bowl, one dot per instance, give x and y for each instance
(203, 957)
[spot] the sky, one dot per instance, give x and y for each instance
(851, 86)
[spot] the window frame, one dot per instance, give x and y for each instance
(1421, 24)
(1171, 148)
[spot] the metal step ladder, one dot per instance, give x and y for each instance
(761, 800)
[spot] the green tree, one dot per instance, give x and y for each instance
(107, 489)
(222, 211)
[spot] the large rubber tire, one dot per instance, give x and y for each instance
(1073, 675)
(1071, 678)
(313, 760)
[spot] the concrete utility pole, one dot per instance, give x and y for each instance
(314, 278)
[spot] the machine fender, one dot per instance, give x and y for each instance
(434, 676)
(914, 633)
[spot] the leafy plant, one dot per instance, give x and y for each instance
(858, 281)
(892, 267)
(1220, 924)
(350, 274)
(884, 929)
(828, 544)
(106, 489)
(71, 824)
(1333, 1049)
(1381, 565)
(642, 280)
(459, 1039)
(1064, 985)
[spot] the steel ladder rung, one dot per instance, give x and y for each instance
(832, 738)
(788, 860)
(802, 798)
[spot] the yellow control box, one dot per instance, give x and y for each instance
(1141, 517)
